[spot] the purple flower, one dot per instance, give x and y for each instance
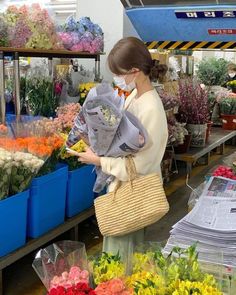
(97, 44)
(86, 22)
(97, 31)
(77, 47)
(67, 39)
(71, 24)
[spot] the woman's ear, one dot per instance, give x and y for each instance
(136, 72)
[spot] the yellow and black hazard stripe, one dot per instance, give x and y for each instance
(190, 45)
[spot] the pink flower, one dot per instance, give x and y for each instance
(65, 275)
(77, 47)
(84, 274)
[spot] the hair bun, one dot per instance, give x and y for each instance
(158, 71)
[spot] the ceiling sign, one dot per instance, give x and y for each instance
(222, 31)
(206, 14)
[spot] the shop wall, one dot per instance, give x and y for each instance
(128, 28)
(109, 15)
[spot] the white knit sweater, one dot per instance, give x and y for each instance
(148, 108)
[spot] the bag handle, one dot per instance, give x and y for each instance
(131, 168)
(131, 171)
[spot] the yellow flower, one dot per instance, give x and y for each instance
(194, 288)
(108, 267)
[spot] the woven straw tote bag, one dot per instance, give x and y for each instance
(133, 205)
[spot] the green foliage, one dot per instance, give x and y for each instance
(228, 106)
(179, 265)
(40, 97)
(212, 71)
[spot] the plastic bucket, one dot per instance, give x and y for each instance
(47, 202)
(80, 194)
(13, 212)
(229, 122)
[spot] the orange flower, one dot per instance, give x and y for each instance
(3, 128)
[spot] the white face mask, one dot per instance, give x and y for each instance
(120, 82)
(232, 75)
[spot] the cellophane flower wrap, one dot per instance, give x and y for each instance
(31, 149)
(78, 289)
(31, 27)
(81, 35)
(5, 163)
(41, 99)
(62, 265)
(3, 32)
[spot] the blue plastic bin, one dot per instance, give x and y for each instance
(47, 202)
(13, 215)
(80, 194)
(10, 118)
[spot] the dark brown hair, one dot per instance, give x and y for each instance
(129, 53)
(231, 67)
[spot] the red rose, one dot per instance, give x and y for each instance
(71, 292)
(57, 291)
(82, 286)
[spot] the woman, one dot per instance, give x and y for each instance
(131, 64)
(231, 74)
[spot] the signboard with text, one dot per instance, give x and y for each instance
(222, 31)
(206, 14)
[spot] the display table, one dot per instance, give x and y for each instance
(218, 138)
(70, 224)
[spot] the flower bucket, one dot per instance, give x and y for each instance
(80, 194)
(208, 131)
(229, 122)
(198, 132)
(13, 212)
(47, 202)
(183, 148)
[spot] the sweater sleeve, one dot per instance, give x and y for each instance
(147, 160)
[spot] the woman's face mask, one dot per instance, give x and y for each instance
(232, 74)
(121, 83)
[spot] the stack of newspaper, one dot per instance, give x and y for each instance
(212, 224)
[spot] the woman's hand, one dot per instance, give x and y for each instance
(89, 157)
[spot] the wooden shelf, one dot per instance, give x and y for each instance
(9, 51)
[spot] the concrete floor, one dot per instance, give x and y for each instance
(20, 279)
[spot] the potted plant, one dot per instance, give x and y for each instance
(212, 71)
(228, 112)
(193, 110)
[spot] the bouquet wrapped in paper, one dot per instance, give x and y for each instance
(3, 32)
(81, 35)
(31, 27)
(5, 171)
(110, 130)
(62, 265)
